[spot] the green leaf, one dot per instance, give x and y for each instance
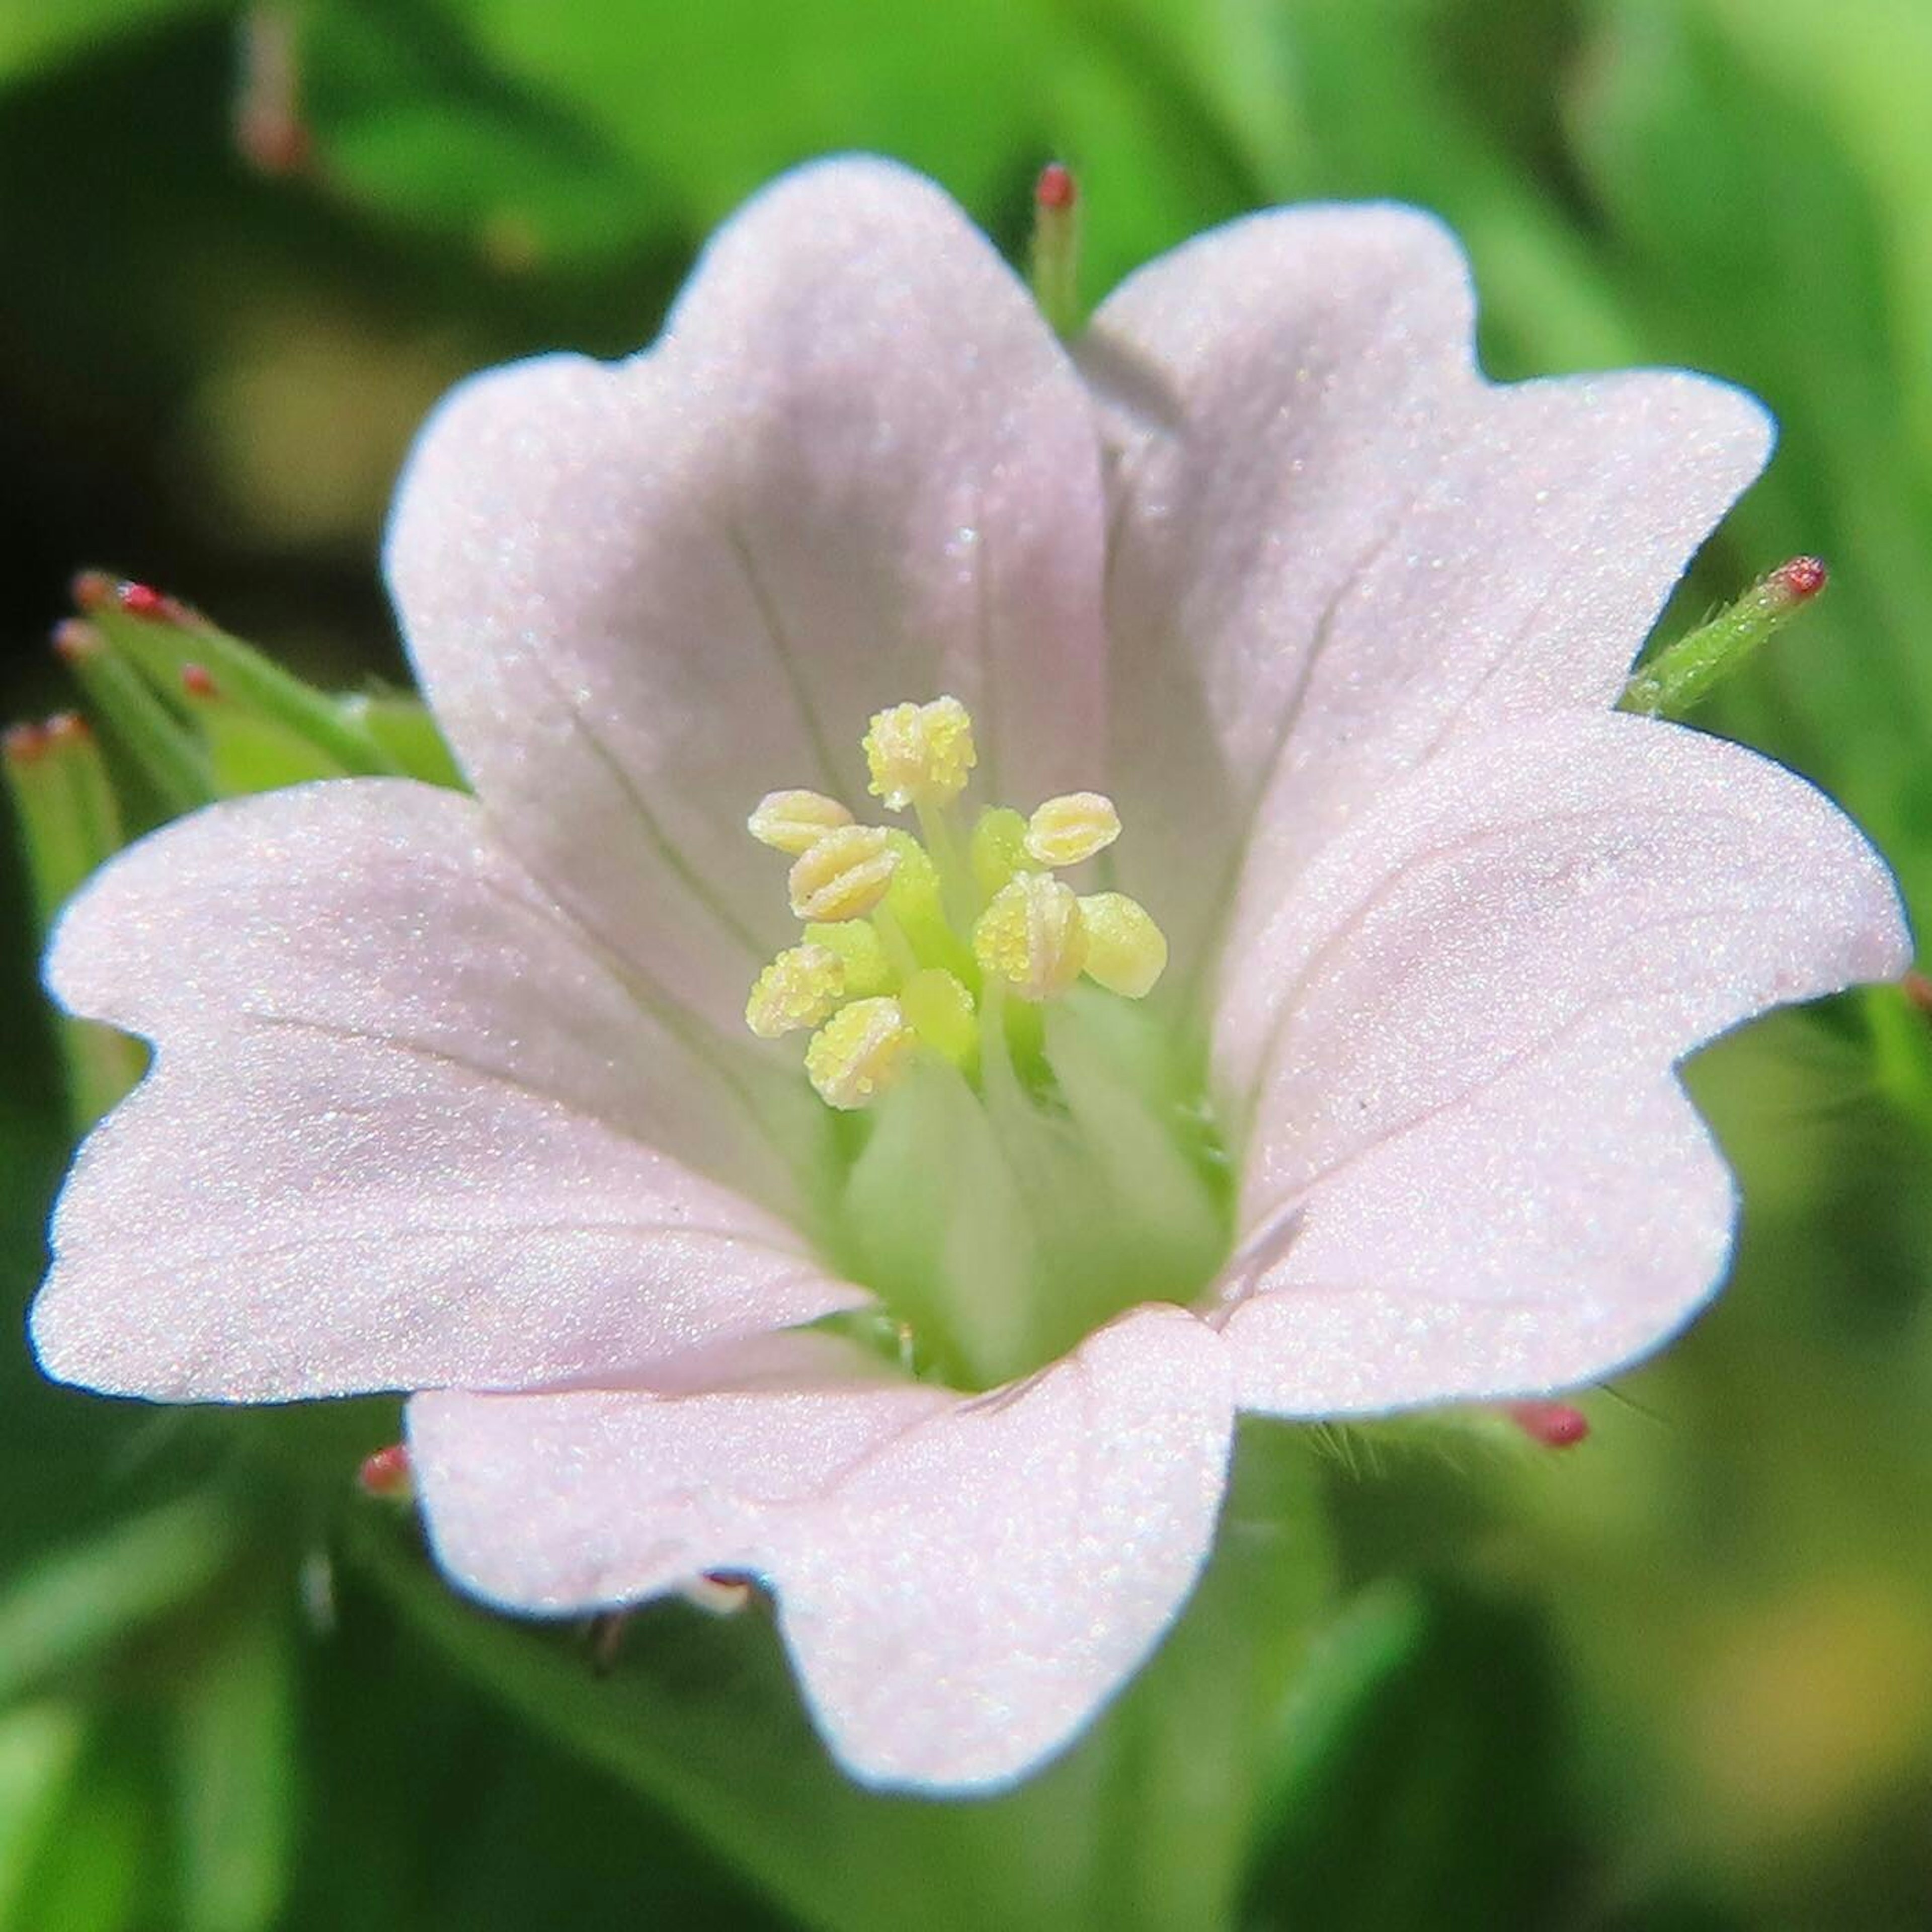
(69, 1605)
(1419, 1781)
(36, 34)
(40, 1749)
(234, 1778)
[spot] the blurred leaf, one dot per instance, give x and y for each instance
(1421, 1784)
(415, 120)
(36, 34)
(1775, 273)
(40, 1747)
(65, 1607)
(1547, 304)
(89, 1876)
(235, 1773)
(542, 134)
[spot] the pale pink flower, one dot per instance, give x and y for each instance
(453, 1095)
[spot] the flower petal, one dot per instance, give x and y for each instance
(400, 1129)
(1561, 1224)
(1455, 1038)
(1335, 544)
(856, 469)
(962, 1581)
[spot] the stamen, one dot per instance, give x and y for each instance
(1032, 936)
(997, 849)
(1126, 953)
(798, 989)
(844, 874)
(920, 754)
(860, 951)
(858, 1053)
(940, 1010)
(1065, 830)
(795, 821)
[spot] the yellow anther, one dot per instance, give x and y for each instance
(920, 754)
(797, 989)
(1032, 936)
(1126, 953)
(860, 950)
(844, 874)
(859, 1052)
(997, 849)
(1067, 830)
(940, 1010)
(795, 821)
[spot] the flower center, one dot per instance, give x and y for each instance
(1026, 1150)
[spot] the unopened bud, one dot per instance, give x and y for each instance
(1680, 675)
(795, 821)
(844, 874)
(1055, 253)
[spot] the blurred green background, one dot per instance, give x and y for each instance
(1679, 1678)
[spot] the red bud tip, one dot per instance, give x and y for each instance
(1056, 190)
(74, 640)
(92, 590)
(142, 600)
(271, 141)
(1552, 1425)
(387, 1473)
(198, 681)
(1803, 577)
(1918, 989)
(66, 728)
(269, 131)
(23, 743)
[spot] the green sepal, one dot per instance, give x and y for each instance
(169, 642)
(64, 806)
(171, 759)
(408, 734)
